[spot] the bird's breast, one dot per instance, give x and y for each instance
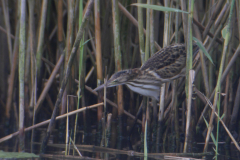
(145, 89)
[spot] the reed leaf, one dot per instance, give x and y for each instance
(159, 8)
(224, 32)
(200, 45)
(222, 116)
(212, 136)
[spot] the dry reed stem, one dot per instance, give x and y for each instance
(134, 21)
(60, 20)
(112, 103)
(98, 54)
(202, 60)
(117, 52)
(213, 17)
(11, 84)
(218, 88)
(47, 121)
(189, 100)
(41, 35)
(8, 28)
(206, 100)
(93, 148)
(75, 147)
(235, 109)
(224, 75)
(140, 28)
(98, 40)
(49, 83)
(21, 70)
(75, 47)
(4, 30)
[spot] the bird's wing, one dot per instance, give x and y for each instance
(167, 63)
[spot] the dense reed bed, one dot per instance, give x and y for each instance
(55, 52)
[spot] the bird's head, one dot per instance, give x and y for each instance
(118, 78)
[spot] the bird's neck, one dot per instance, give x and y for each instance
(134, 73)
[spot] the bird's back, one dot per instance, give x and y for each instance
(168, 62)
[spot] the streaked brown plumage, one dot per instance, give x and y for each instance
(164, 66)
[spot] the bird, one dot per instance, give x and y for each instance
(166, 65)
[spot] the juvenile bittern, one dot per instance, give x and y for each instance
(164, 66)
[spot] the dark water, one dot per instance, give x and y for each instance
(57, 151)
(89, 149)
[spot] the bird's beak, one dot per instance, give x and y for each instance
(99, 87)
(108, 84)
